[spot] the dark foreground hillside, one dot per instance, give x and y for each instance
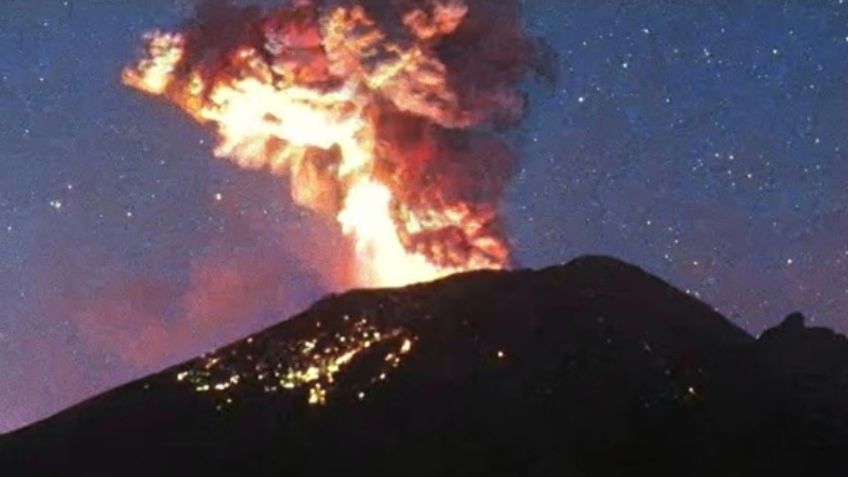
(594, 368)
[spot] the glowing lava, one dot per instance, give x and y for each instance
(369, 116)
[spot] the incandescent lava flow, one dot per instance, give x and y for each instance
(380, 112)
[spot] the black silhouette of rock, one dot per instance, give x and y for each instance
(793, 322)
(814, 365)
(594, 368)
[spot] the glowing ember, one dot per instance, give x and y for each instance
(311, 363)
(369, 116)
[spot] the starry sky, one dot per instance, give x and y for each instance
(701, 140)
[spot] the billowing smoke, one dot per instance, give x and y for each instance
(381, 112)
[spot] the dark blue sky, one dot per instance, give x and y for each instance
(701, 140)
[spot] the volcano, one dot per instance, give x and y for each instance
(592, 368)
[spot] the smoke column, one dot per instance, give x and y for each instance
(381, 114)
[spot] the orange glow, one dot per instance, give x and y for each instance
(308, 102)
(312, 363)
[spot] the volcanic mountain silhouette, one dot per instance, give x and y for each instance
(593, 368)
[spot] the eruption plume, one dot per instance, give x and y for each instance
(380, 113)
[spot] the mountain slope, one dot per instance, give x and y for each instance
(594, 368)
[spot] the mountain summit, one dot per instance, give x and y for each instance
(593, 368)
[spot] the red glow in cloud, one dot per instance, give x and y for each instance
(375, 111)
(146, 321)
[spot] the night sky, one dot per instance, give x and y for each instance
(701, 140)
